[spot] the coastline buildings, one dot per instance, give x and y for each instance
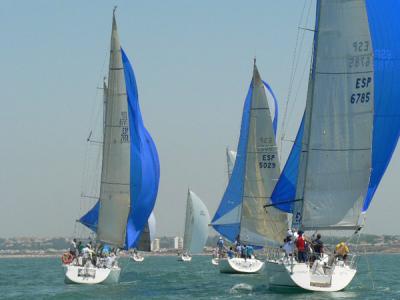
(178, 242)
(155, 245)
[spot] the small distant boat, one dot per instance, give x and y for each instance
(253, 172)
(196, 227)
(185, 257)
(129, 177)
(137, 257)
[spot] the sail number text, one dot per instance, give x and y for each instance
(267, 161)
(363, 96)
(123, 122)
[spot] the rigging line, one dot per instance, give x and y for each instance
(369, 268)
(295, 61)
(92, 120)
(303, 75)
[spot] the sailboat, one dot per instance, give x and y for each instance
(196, 227)
(347, 136)
(129, 177)
(147, 236)
(240, 215)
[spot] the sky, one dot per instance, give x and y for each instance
(193, 64)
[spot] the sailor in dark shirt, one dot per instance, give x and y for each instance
(318, 246)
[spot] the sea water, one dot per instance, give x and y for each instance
(163, 277)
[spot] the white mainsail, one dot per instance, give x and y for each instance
(230, 161)
(257, 226)
(114, 190)
(196, 224)
(335, 166)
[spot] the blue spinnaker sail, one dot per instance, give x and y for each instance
(232, 198)
(144, 164)
(284, 193)
(275, 120)
(384, 25)
(91, 218)
(144, 168)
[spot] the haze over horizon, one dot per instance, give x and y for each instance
(193, 64)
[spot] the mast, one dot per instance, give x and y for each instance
(298, 204)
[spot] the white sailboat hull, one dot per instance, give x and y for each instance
(215, 261)
(91, 275)
(300, 275)
(137, 258)
(185, 258)
(240, 265)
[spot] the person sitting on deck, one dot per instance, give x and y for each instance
(288, 247)
(341, 251)
(244, 252)
(249, 251)
(73, 248)
(318, 246)
(230, 253)
(301, 247)
(86, 254)
(238, 250)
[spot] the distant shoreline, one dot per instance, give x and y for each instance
(53, 255)
(58, 255)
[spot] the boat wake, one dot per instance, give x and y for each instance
(241, 288)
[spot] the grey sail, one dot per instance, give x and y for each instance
(257, 226)
(335, 165)
(114, 190)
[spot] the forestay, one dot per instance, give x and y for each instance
(196, 224)
(339, 119)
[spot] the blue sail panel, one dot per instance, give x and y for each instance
(91, 218)
(275, 120)
(384, 25)
(284, 193)
(233, 194)
(145, 166)
(229, 231)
